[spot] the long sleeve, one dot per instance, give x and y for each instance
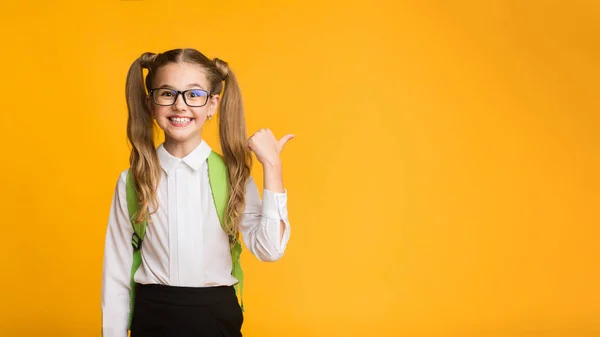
(261, 225)
(118, 257)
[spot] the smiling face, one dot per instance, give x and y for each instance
(182, 123)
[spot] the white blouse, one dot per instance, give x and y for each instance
(184, 243)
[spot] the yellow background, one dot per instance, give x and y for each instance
(443, 182)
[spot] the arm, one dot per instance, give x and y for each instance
(265, 227)
(274, 183)
(116, 271)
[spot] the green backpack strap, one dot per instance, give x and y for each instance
(217, 176)
(139, 231)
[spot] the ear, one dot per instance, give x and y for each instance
(213, 103)
(150, 105)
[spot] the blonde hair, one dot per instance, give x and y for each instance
(145, 168)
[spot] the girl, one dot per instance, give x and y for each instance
(171, 260)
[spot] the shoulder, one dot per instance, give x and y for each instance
(123, 176)
(215, 158)
(122, 180)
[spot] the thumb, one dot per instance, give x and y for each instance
(285, 139)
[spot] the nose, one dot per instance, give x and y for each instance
(179, 102)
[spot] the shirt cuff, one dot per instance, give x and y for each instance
(274, 205)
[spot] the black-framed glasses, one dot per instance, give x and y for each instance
(192, 97)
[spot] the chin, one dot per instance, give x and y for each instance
(180, 137)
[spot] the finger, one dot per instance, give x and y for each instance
(285, 139)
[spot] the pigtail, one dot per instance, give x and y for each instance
(237, 156)
(143, 160)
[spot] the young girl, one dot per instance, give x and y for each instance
(171, 260)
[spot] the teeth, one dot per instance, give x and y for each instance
(181, 120)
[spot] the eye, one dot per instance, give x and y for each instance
(197, 93)
(164, 93)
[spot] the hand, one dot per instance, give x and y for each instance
(266, 147)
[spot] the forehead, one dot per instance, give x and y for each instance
(180, 75)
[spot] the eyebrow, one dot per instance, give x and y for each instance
(189, 86)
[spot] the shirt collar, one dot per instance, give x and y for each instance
(194, 160)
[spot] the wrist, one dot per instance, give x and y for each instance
(272, 164)
(273, 180)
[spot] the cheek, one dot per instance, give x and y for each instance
(160, 111)
(200, 113)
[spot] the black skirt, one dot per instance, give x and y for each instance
(165, 311)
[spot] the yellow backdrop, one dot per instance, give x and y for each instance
(443, 182)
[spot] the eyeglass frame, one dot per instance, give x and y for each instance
(182, 93)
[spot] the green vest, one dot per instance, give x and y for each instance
(217, 176)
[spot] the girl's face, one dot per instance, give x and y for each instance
(181, 123)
